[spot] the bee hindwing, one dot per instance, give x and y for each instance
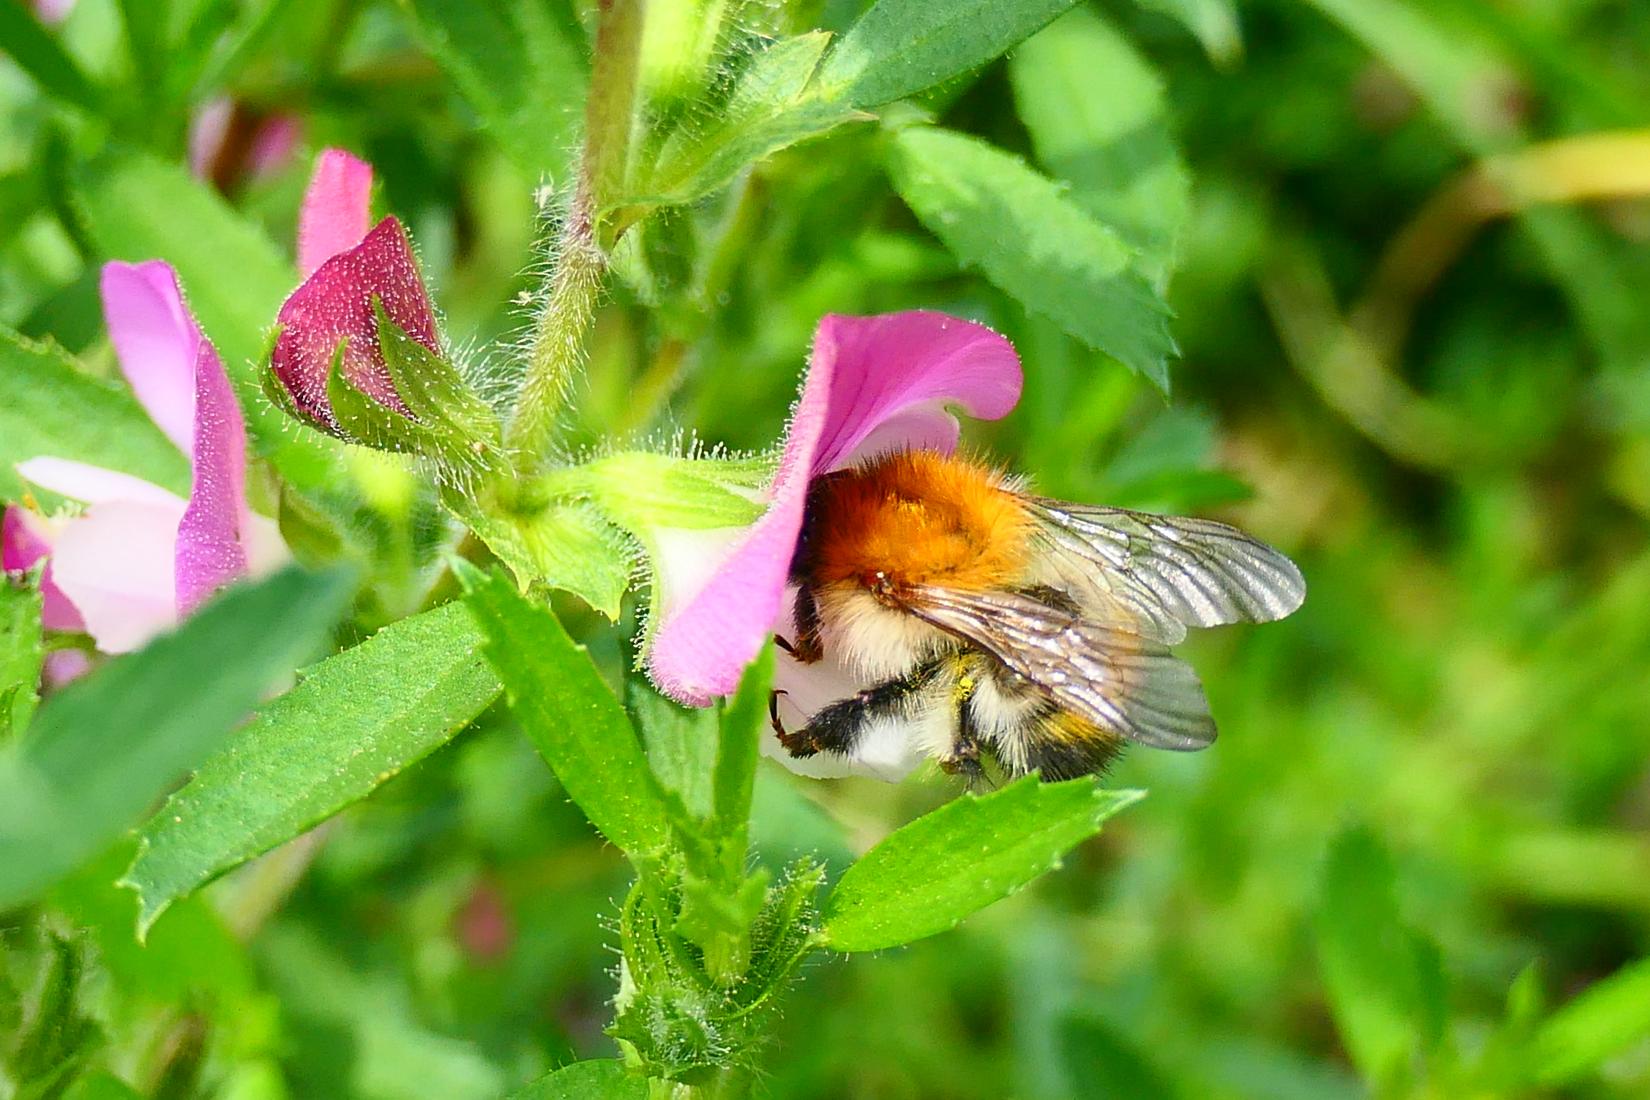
(1164, 572)
(1122, 682)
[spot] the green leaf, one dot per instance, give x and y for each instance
(26, 42)
(900, 47)
(49, 406)
(1606, 1018)
(927, 876)
(101, 751)
(567, 545)
(137, 207)
(353, 722)
(571, 716)
(520, 71)
(1097, 117)
(1030, 239)
(744, 721)
(21, 655)
(681, 745)
(600, 1079)
(1384, 982)
(771, 107)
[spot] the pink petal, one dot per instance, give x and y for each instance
(209, 553)
(155, 339)
(883, 365)
(91, 484)
(865, 373)
(25, 538)
(335, 306)
(336, 210)
(115, 563)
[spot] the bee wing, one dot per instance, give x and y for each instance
(1165, 573)
(1121, 681)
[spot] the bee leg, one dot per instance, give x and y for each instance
(836, 728)
(964, 757)
(773, 714)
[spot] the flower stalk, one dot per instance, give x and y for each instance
(579, 251)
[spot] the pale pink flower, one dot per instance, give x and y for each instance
(874, 384)
(138, 557)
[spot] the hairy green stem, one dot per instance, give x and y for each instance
(579, 250)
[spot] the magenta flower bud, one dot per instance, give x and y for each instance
(334, 308)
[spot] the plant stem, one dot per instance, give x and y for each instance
(579, 250)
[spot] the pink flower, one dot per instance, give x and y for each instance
(874, 384)
(139, 557)
(229, 141)
(346, 268)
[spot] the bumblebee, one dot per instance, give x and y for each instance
(998, 627)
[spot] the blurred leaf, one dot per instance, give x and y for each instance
(601, 1079)
(927, 876)
(1214, 23)
(391, 1053)
(1604, 1019)
(900, 47)
(1101, 1064)
(57, 1033)
(353, 722)
(518, 69)
(571, 716)
(102, 750)
(20, 655)
(1097, 117)
(1030, 239)
(34, 50)
(1383, 979)
(189, 955)
(101, 1086)
(138, 207)
(680, 742)
(49, 406)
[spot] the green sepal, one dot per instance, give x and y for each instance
(566, 545)
(642, 491)
(433, 390)
(678, 1021)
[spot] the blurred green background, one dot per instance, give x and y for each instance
(1412, 287)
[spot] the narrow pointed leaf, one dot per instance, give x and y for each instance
(926, 877)
(354, 721)
(571, 715)
(1028, 237)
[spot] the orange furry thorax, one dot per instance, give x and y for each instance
(915, 517)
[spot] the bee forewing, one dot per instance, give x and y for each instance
(1166, 572)
(1122, 682)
